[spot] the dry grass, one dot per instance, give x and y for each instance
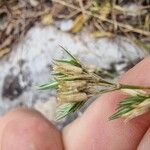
(104, 18)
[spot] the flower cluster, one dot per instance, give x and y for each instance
(76, 83)
(137, 103)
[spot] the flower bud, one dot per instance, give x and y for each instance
(76, 84)
(66, 68)
(75, 97)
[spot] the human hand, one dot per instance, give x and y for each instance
(24, 129)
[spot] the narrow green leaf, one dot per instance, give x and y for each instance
(73, 58)
(71, 62)
(66, 109)
(132, 100)
(120, 112)
(127, 105)
(52, 85)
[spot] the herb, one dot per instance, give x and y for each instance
(76, 83)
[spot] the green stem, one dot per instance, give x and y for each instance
(106, 82)
(106, 91)
(126, 86)
(120, 86)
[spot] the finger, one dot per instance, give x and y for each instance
(94, 131)
(145, 142)
(24, 129)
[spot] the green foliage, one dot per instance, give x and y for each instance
(67, 108)
(47, 86)
(128, 105)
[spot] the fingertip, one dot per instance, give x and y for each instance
(145, 142)
(138, 75)
(27, 129)
(95, 131)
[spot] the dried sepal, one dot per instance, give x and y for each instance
(66, 68)
(73, 97)
(69, 85)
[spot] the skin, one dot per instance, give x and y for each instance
(27, 129)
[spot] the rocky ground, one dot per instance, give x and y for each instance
(29, 64)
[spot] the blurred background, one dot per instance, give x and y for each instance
(114, 35)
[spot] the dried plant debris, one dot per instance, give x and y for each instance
(75, 83)
(109, 18)
(17, 16)
(104, 18)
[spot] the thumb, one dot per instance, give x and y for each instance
(26, 129)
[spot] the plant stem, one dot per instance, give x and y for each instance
(106, 91)
(126, 86)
